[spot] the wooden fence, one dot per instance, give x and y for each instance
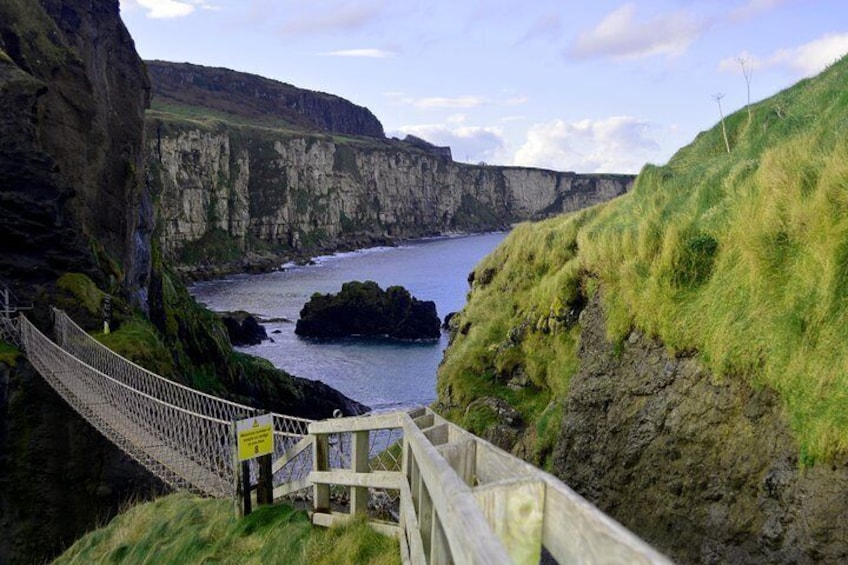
(463, 500)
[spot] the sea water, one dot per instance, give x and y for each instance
(381, 373)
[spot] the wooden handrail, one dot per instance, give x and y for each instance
(463, 500)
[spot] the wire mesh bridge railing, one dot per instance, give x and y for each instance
(184, 436)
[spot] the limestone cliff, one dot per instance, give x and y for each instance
(72, 98)
(309, 192)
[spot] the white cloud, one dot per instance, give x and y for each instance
(165, 9)
(517, 101)
(812, 57)
(468, 143)
(621, 35)
(366, 53)
(804, 60)
(619, 144)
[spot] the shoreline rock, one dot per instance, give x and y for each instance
(244, 329)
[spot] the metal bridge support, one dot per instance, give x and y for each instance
(9, 330)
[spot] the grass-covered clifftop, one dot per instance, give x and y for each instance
(741, 257)
(184, 528)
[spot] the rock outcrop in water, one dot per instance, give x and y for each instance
(244, 329)
(364, 309)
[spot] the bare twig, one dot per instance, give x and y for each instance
(747, 71)
(717, 97)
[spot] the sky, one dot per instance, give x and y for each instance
(600, 86)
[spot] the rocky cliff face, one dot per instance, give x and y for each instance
(58, 476)
(72, 98)
(311, 192)
(258, 98)
(705, 469)
(73, 199)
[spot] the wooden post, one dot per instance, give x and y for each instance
(265, 483)
(425, 518)
(440, 552)
(462, 457)
(237, 507)
(359, 462)
(415, 483)
(321, 462)
(245, 487)
(515, 509)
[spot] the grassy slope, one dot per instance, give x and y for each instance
(183, 528)
(742, 257)
(181, 115)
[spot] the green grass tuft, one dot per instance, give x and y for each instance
(137, 340)
(9, 354)
(84, 290)
(216, 246)
(183, 528)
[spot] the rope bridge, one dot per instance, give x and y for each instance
(185, 437)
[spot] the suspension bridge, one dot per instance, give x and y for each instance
(447, 495)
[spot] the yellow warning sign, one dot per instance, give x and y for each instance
(255, 437)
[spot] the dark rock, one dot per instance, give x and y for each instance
(253, 96)
(72, 98)
(59, 477)
(244, 329)
(446, 324)
(704, 468)
(418, 143)
(364, 309)
(258, 383)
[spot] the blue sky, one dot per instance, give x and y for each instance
(602, 86)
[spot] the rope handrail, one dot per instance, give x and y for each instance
(185, 449)
(82, 345)
(182, 435)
